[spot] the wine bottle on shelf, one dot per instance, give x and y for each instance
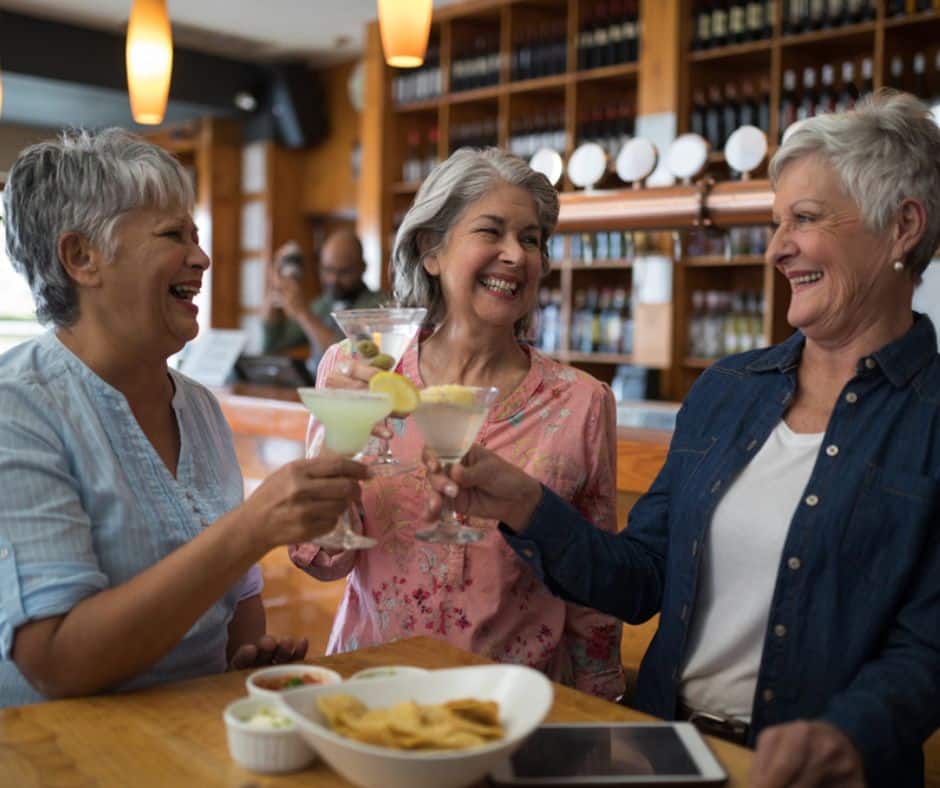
(719, 23)
(807, 105)
(868, 84)
(430, 152)
(770, 17)
(826, 101)
(703, 27)
(697, 119)
(713, 114)
(615, 33)
(854, 11)
(895, 7)
(896, 80)
(835, 13)
(559, 47)
(816, 16)
(631, 31)
(585, 37)
(747, 112)
(788, 102)
(730, 118)
(848, 95)
(601, 35)
(793, 16)
(763, 106)
(754, 20)
(737, 22)
(919, 66)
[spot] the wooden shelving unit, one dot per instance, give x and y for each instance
(660, 82)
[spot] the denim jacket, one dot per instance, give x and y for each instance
(853, 635)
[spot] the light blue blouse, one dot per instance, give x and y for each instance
(86, 503)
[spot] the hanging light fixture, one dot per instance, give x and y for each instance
(149, 60)
(404, 25)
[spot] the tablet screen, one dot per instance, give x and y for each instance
(603, 751)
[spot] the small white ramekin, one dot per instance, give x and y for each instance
(265, 751)
(323, 676)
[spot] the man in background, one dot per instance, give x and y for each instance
(289, 321)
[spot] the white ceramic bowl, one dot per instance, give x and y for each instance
(388, 671)
(524, 696)
(322, 675)
(260, 750)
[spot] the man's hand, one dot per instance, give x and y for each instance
(483, 485)
(268, 651)
(291, 296)
(806, 753)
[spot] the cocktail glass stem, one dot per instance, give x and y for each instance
(448, 529)
(343, 537)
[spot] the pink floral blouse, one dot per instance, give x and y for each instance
(559, 425)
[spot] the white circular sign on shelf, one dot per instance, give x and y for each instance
(790, 129)
(587, 165)
(687, 156)
(746, 148)
(356, 86)
(636, 160)
(549, 163)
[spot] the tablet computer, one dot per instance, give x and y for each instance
(599, 754)
(273, 371)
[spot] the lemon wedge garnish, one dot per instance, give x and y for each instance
(401, 390)
(451, 394)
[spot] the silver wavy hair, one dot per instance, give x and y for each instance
(82, 182)
(465, 177)
(885, 150)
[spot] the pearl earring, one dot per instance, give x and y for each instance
(898, 265)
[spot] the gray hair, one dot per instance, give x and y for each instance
(82, 182)
(465, 177)
(885, 150)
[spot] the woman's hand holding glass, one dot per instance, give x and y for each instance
(350, 373)
(302, 500)
(483, 485)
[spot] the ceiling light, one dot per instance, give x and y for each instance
(246, 101)
(149, 60)
(404, 25)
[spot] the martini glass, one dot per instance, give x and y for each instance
(449, 418)
(342, 420)
(391, 330)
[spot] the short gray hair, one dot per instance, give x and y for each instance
(885, 150)
(82, 182)
(465, 177)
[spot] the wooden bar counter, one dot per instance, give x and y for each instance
(173, 735)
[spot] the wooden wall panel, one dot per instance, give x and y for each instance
(218, 197)
(329, 187)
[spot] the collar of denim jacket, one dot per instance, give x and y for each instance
(899, 360)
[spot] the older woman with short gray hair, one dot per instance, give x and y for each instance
(472, 249)
(127, 557)
(791, 541)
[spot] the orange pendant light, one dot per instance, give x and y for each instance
(149, 60)
(404, 25)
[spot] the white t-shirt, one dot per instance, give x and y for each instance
(739, 572)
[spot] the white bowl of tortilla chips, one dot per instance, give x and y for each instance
(491, 710)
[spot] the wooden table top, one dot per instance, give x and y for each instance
(173, 735)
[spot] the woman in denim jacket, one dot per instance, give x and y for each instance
(791, 542)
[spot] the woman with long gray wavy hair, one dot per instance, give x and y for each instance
(472, 250)
(791, 542)
(127, 557)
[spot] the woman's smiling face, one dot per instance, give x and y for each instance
(840, 273)
(491, 261)
(150, 283)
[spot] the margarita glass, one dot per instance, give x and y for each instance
(387, 331)
(342, 421)
(450, 418)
